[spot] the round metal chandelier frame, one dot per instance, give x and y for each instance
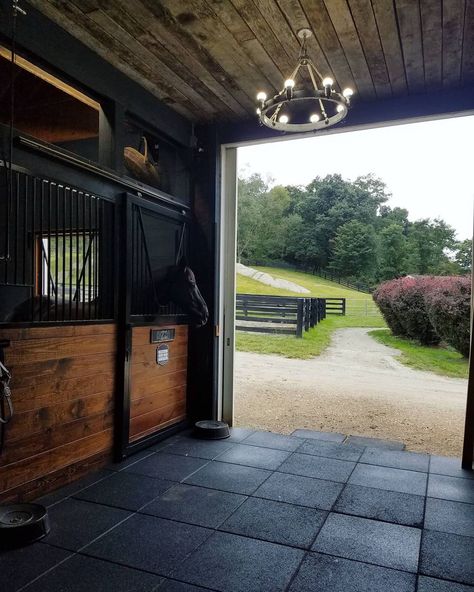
(272, 111)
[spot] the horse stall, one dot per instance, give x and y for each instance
(98, 303)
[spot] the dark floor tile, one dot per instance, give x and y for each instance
(451, 488)
(426, 584)
(85, 574)
(149, 543)
(396, 459)
(379, 504)
(447, 516)
(71, 488)
(315, 435)
(229, 477)
(75, 523)
(318, 467)
(237, 564)
(167, 466)
(174, 586)
(20, 566)
(208, 449)
(195, 505)
(330, 450)
(254, 456)
(370, 541)
(444, 465)
(374, 443)
(304, 491)
(131, 460)
(125, 490)
(276, 522)
(447, 556)
(390, 479)
(271, 440)
(239, 434)
(322, 573)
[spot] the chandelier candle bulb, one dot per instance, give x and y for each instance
(314, 118)
(339, 108)
(348, 92)
(284, 119)
(290, 83)
(261, 97)
(328, 81)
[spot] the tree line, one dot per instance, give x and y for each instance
(345, 228)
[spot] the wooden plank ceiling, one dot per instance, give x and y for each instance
(208, 58)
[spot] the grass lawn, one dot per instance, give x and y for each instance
(315, 340)
(438, 359)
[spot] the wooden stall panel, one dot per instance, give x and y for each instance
(157, 392)
(63, 386)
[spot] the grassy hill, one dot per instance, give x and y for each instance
(316, 340)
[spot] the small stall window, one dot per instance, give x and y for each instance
(48, 109)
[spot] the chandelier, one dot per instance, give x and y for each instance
(300, 109)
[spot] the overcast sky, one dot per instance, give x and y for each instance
(428, 167)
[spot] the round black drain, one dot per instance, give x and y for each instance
(21, 524)
(211, 430)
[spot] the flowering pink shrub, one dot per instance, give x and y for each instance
(448, 303)
(428, 309)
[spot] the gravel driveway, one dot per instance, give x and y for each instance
(356, 386)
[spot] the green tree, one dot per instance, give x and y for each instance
(354, 249)
(392, 252)
(463, 256)
(427, 245)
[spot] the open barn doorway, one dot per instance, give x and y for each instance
(272, 388)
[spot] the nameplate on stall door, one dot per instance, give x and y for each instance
(162, 355)
(160, 335)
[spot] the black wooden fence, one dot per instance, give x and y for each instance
(278, 314)
(336, 306)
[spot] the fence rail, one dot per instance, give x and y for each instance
(278, 314)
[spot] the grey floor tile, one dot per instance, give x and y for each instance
(152, 544)
(254, 456)
(239, 434)
(271, 440)
(167, 466)
(20, 566)
(396, 459)
(174, 586)
(379, 504)
(315, 435)
(322, 573)
(330, 450)
(426, 584)
(305, 491)
(131, 460)
(238, 564)
(125, 490)
(86, 574)
(276, 522)
(208, 449)
(445, 465)
(318, 467)
(229, 477)
(447, 516)
(75, 523)
(195, 505)
(71, 488)
(447, 556)
(370, 541)
(374, 443)
(451, 488)
(390, 479)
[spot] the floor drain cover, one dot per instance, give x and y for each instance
(211, 430)
(21, 524)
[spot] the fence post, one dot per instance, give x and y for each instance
(343, 307)
(300, 318)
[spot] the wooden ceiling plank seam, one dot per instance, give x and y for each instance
(468, 44)
(366, 26)
(296, 19)
(252, 46)
(66, 16)
(432, 34)
(120, 14)
(218, 41)
(322, 27)
(387, 26)
(196, 49)
(160, 70)
(453, 29)
(409, 25)
(345, 28)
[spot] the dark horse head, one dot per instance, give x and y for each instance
(179, 286)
